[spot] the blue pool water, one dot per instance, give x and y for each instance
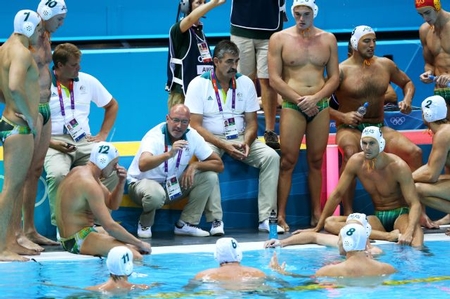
(420, 274)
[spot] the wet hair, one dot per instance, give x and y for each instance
(224, 47)
(117, 278)
(64, 52)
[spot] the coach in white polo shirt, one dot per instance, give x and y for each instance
(71, 95)
(223, 108)
(162, 172)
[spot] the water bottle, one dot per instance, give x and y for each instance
(434, 79)
(362, 109)
(273, 222)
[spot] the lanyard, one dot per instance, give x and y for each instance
(177, 164)
(61, 100)
(216, 91)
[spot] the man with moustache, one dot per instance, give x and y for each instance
(223, 108)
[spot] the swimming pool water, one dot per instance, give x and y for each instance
(420, 274)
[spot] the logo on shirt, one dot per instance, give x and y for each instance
(210, 98)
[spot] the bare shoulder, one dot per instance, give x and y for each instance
(253, 271)
(397, 165)
(442, 136)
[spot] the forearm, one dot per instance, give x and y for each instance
(20, 101)
(336, 115)
(328, 88)
(283, 89)
(208, 165)
(413, 217)
(152, 162)
(423, 175)
(250, 133)
(119, 233)
(116, 196)
(108, 121)
(408, 92)
(429, 67)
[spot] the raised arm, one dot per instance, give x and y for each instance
(197, 13)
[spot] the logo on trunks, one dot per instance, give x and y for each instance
(397, 121)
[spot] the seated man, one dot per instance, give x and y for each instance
(162, 172)
(81, 198)
(224, 105)
(389, 182)
(431, 184)
(352, 242)
(229, 255)
(364, 77)
(120, 267)
(325, 239)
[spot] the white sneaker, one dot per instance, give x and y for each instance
(144, 231)
(264, 227)
(217, 228)
(187, 229)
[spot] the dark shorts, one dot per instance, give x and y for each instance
(387, 218)
(322, 104)
(8, 128)
(44, 110)
(361, 126)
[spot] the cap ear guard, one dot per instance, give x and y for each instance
(25, 22)
(185, 7)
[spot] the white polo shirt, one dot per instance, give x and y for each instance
(86, 90)
(154, 142)
(201, 99)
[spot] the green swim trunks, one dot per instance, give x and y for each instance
(73, 243)
(322, 104)
(361, 126)
(44, 110)
(8, 128)
(387, 218)
(443, 92)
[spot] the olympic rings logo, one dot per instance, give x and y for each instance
(397, 121)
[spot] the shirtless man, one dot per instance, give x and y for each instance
(120, 267)
(435, 39)
(81, 198)
(52, 14)
(19, 88)
(431, 184)
(299, 238)
(229, 255)
(365, 77)
(352, 242)
(389, 182)
(297, 58)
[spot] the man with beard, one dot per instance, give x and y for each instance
(389, 182)
(365, 77)
(223, 108)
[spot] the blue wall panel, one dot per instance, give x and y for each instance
(144, 17)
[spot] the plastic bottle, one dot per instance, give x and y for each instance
(362, 109)
(273, 222)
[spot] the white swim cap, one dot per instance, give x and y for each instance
(103, 153)
(227, 251)
(310, 3)
(50, 8)
(376, 134)
(361, 218)
(434, 108)
(26, 21)
(354, 237)
(120, 261)
(359, 32)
